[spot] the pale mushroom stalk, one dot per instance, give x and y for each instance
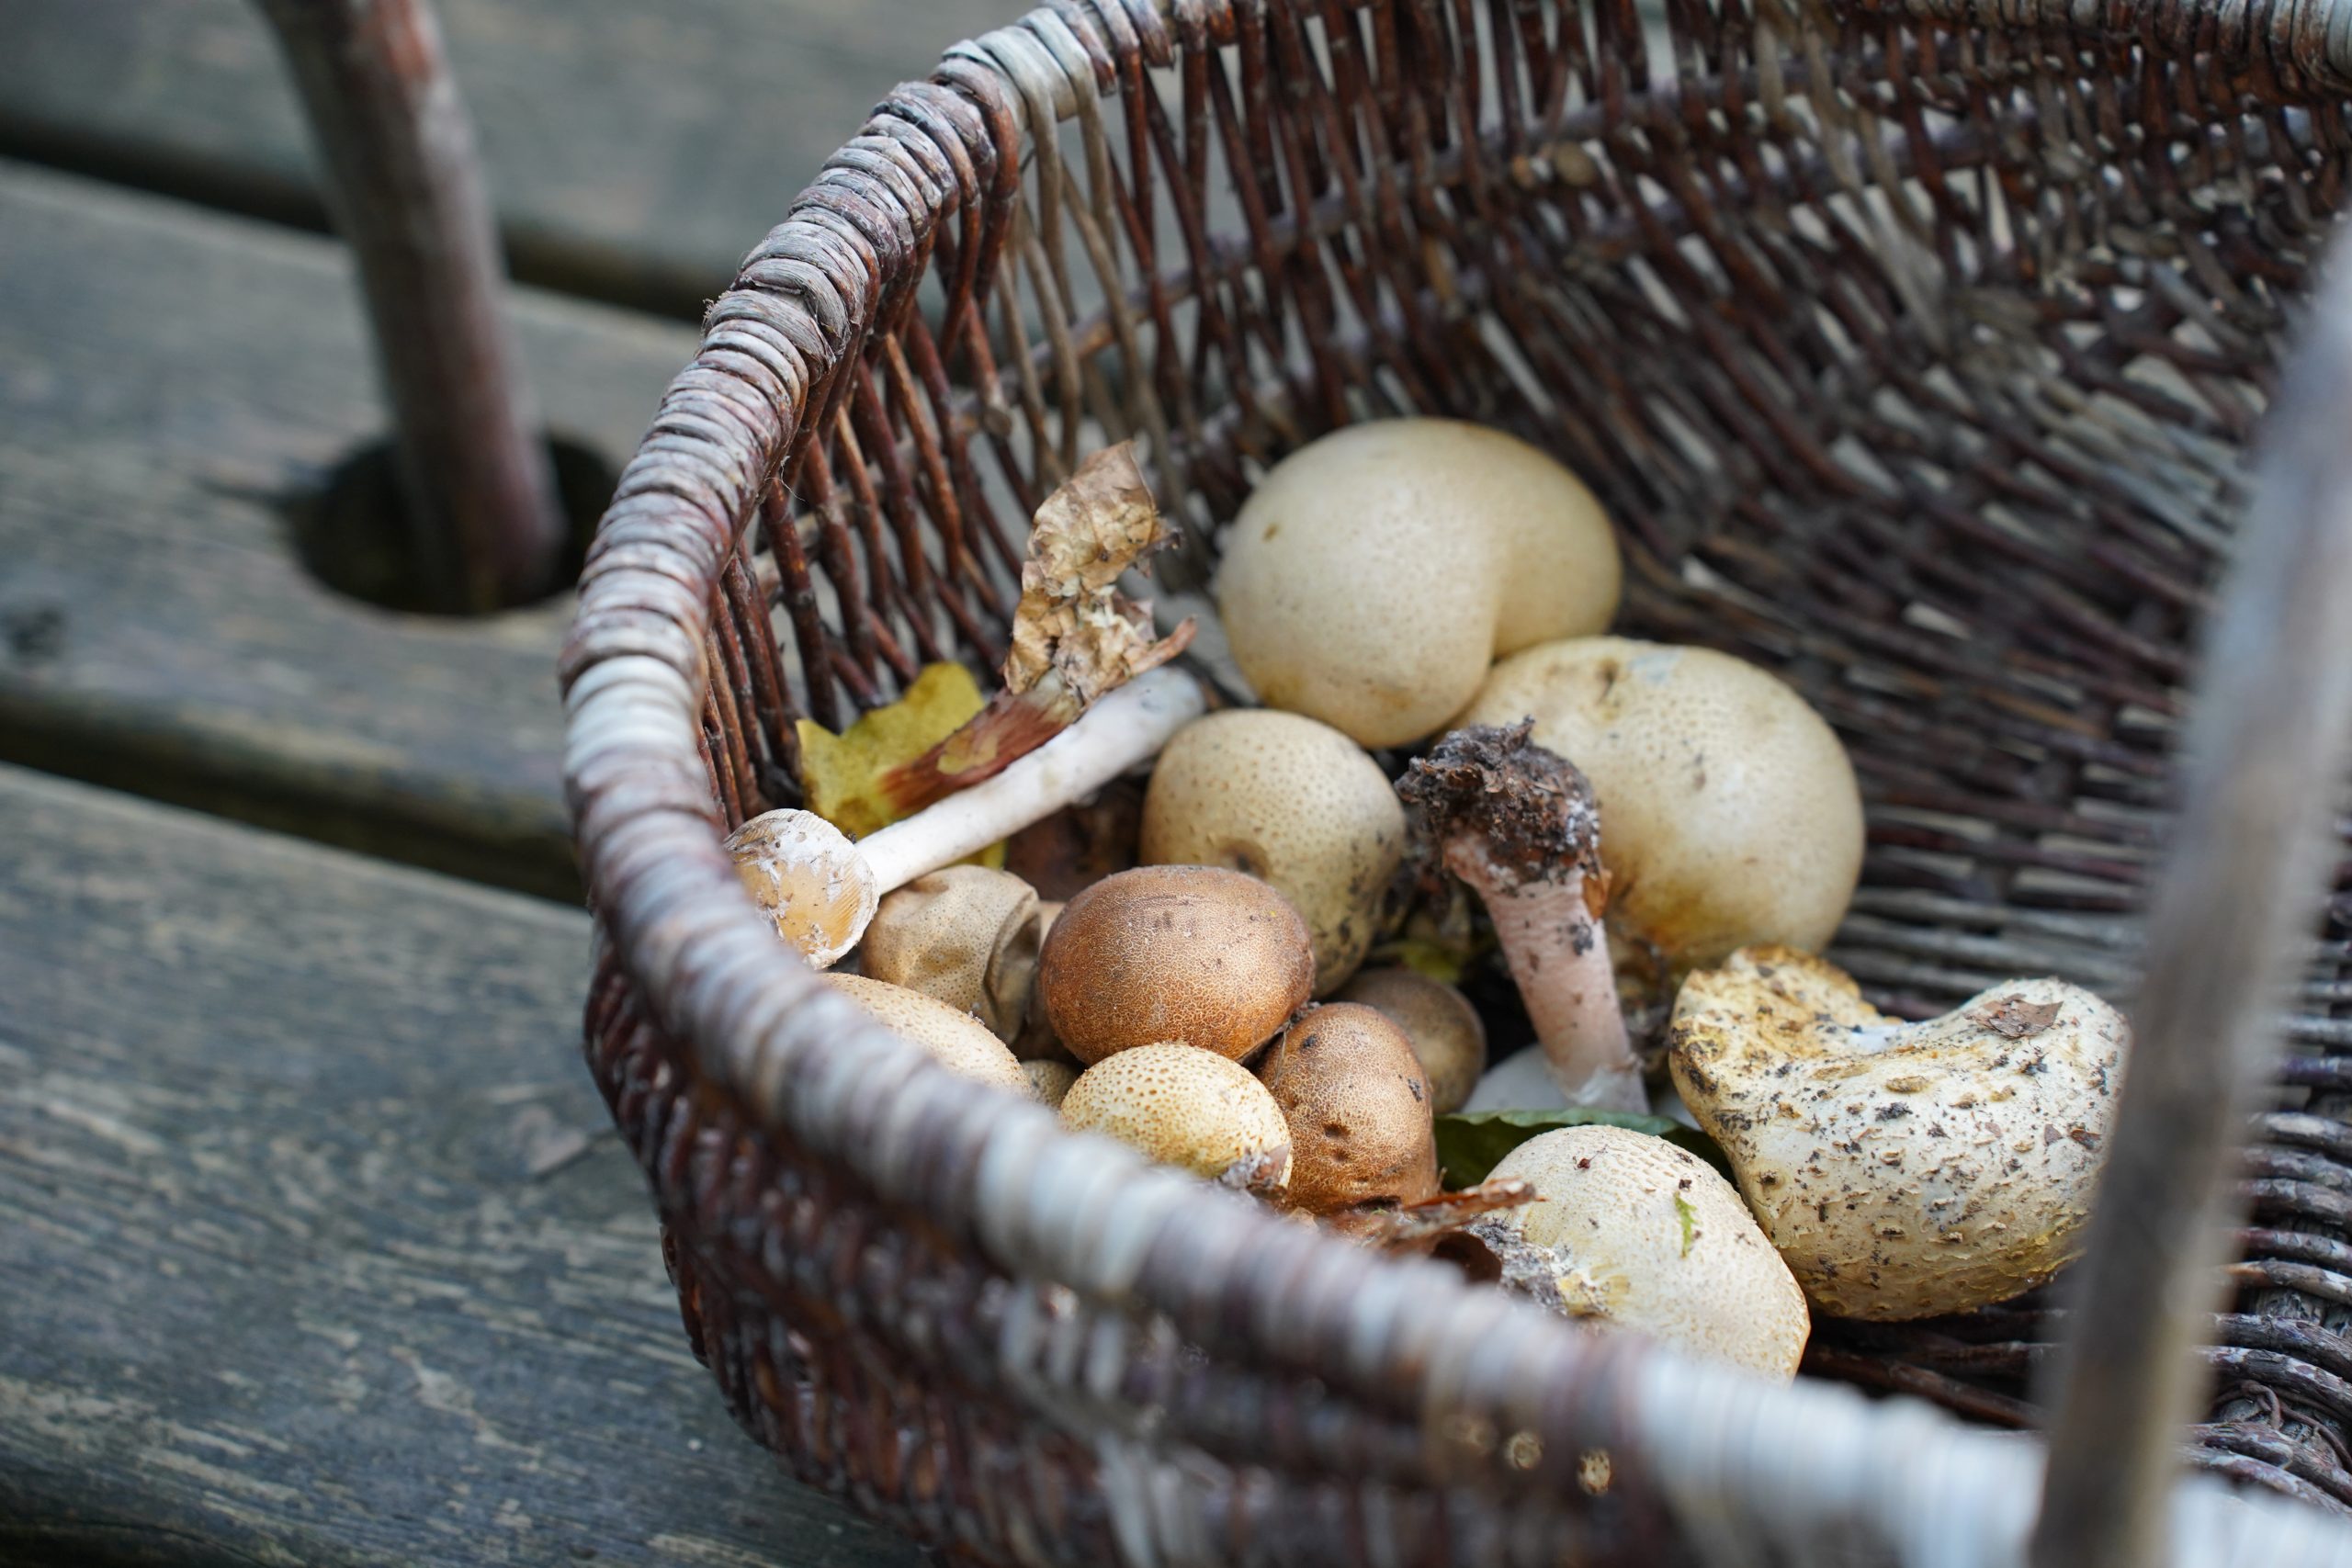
(822, 888)
(1518, 824)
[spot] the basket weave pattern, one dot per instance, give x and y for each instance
(1915, 351)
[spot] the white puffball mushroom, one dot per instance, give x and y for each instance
(958, 1041)
(1445, 1031)
(1374, 574)
(965, 934)
(1629, 1230)
(1728, 808)
(1904, 1170)
(1050, 1081)
(1188, 1108)
(1291, 802)
(808, 877)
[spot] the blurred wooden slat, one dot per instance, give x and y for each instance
(168, 378)
(635, 151)
(319, 1248)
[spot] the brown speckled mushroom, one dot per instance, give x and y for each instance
(1445, 1030)
(1628, 1230)
(1362, 1136)
(1197, 953)
(1903, 1170)
(1291, 802)
(1518, 825)
(1187, 1108)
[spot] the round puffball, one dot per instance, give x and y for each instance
(1729, 813)
(1357, 1106)
(1374, 574)
(1447, 1034)
(1291, 802)
(960, 1042)
(1186, 1108)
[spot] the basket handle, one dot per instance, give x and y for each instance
(2265, 748)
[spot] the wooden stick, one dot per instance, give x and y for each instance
(2263, 756)
(406, 191)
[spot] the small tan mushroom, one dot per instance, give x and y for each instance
(966, 935)
(1291, 802)
(1362, 1135)
(1729, 810)
(1050, 1081)
(1374, 574)
(1903, 1170)
(1191, 952)
(793, 863)
(1443, 1027)
(1628, 1230)
(1186, 1108)
(960, 1042)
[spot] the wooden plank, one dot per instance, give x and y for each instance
(636, 152)
(169, 378)
(318, 1247)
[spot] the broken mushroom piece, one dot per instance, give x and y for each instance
(1518, 825)
(1903, 1170)
(1447, 1034)
(1291, 802)
(964, 934)
(956, 1040)
(1373, 575)
(1733, 813)
(1194, 953)
(1186, 1108)
(1362, 1135)
(1628, 1230)
(822, 889)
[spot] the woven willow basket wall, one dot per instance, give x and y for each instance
(1915, 351)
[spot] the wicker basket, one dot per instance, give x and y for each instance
(1913, 349)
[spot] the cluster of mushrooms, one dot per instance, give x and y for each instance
(1662, 834)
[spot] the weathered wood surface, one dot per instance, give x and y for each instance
(636, 152)
(168, 377)
(317, 1250)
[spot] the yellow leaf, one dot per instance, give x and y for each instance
(842, 775)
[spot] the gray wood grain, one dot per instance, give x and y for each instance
(168, 378)
(316, 1249)
(636, 152)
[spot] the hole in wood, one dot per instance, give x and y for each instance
(352, 534)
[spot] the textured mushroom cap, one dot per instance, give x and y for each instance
(1373, 575)
(1186, 1108)
(966, 935)
(1193, 953)
(1357, 1106)
(1637, 1231)
(1050, 1081)
(1729, 812)
(809, 878)
(1447, 1034)
(1903, 1169)
(1291, 802)
(960, 1042)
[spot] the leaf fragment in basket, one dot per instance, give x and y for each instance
(841, 775)
(1471, 1144)
(1075, 636)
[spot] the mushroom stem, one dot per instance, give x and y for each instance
(1518, 824)
(1124, 728)
(1559, 961)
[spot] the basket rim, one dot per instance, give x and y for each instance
(1050, 1206)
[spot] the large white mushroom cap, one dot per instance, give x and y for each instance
(1729, 812)
(1630, 1230)
(1903, 1170)
(1374, 574)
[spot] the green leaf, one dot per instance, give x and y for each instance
(1470, 1145)
(1689, 1218)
